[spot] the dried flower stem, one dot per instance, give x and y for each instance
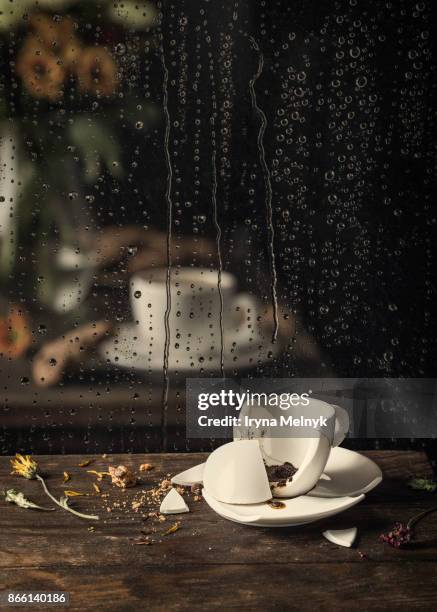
(63, 503)
(420, 516)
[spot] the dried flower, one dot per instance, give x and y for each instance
(85, 463)
(96, 71)
(423, 484)
(16, 497)
(66, 478)
(24, 466)
(122, 476)
(173, 528)
(399, 536)
(402, 534)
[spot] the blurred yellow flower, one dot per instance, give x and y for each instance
(40, 70)
(96, 71)
(24, 466)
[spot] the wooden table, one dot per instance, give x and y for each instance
(210, 563)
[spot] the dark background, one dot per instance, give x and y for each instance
(348, 92)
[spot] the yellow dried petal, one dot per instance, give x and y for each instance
(67, 477)
(85, 462)
(96, 488)
(98, 474)
(172, 529)
(75, 494)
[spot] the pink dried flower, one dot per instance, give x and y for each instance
(402, 534)
(399, 536)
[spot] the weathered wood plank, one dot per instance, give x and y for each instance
(68, 541)
(365, 586)
(30, 538)
(211, 563)
(397, 467)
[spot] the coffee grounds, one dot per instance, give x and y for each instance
(281, 473)
(276, 505)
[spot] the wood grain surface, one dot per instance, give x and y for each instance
(210, 563)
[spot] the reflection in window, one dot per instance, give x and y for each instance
(191, 189)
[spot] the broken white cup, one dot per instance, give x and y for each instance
(341, 537)
(307, 448)
(309, 456)
(235, 474)
(173, 503)
(189, 477)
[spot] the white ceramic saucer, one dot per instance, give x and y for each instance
(128, 349)
(297, 511)
(347, 473)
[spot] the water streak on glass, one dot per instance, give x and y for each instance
(267, 181)
(169, 262)
(219, 255)
(215, 212)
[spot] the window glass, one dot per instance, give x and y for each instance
(198, 189)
